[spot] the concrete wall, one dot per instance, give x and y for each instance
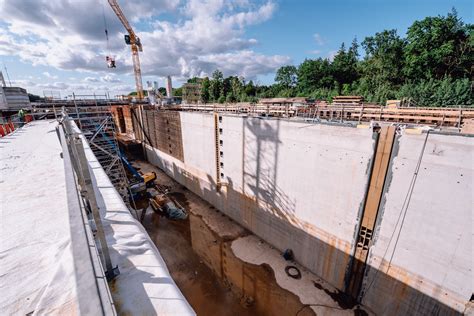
(302, 186)
(433, 254)
(298, 186)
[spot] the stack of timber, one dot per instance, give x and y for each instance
(454, 117)
(347, 99)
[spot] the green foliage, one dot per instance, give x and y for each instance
(215, 87)
(437, 47)
(286, 76)
(178, 92)
(445, 92)
(432, 66)
(344, 65)
(205, 90)
(34, 97)
(314, 74)
(384, 61)
(134, 93)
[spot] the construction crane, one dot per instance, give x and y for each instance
(133, 40)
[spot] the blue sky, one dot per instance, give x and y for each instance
(45, 50)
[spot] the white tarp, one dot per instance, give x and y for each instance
(144, 286)
(48, 260)
(45, 263)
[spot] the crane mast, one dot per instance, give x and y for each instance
(133, 40)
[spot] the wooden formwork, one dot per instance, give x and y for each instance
(426, 116)
(164, 131)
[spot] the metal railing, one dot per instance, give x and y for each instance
(85, 185)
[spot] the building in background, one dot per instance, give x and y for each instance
(12, 98)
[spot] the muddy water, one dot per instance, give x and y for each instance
(199, 257)
(201, 287)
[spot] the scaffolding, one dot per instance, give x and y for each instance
(94, 118)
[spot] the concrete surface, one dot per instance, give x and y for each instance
(301, 186)
(434, 254)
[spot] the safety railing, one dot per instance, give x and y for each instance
(75, 147)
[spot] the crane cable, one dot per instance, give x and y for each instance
(403, 211)
(105, 27)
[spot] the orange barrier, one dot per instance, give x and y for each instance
(28, 118)
(7, 128)
(2, 131)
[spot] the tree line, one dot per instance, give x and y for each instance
(431, 66)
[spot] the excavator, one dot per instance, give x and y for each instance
(140, 181)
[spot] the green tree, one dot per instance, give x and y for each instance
(215, 87)
(205, 90)
(286, 76)
(250, 89)
(236, 86)
(438, 47)
(314, 74)
(344, 65)
(384, 60)
(178, 92)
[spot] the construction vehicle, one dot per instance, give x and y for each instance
(140, 181)
(165, 205)
(130, 39)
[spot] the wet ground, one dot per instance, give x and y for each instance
(203, 289)
(198, 283)
(199, 257)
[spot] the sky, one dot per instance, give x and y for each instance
(57, 47)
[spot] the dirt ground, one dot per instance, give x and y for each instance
(201, 287)
(199, 284)
(199, 257)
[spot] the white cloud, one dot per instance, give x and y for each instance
(315, 52)
(90, 79)
(50, 76)
(318, 39)
(110, 78)
(69, 35)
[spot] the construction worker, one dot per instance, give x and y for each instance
(21, 116)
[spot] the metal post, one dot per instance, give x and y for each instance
(87, 190)
(77, 110)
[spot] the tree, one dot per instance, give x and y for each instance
(205, 90)
(384, 59)
(250, 89)
(314, 74)
(216, 85)
(178, 92)
(286, 76)
(193, 80)
(344, 65)
(34, 97)
(236, 86)
(437, 47)
(432, 66)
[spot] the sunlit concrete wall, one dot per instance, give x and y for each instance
(432, 231)
(298, 186)
(301, 186)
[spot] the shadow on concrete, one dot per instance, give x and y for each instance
(270, 214)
